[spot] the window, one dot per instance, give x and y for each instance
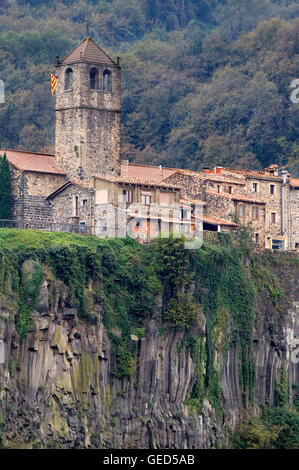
(102, 224)
(84, 202)
(138, 224)
(257, 238)
(230, 189)
(254, 187)
(127, 195)
(272, 188)
(185, 214)
(297, 246)
(75, 206)
(82, 227)
(107, 81)
(68, 79)
(273, 217)
(145, 199)
(277, 244)
(218, 188)
(241, 210)
(94, 79)
(255, 213)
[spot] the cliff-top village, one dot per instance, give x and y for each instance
(86, 186)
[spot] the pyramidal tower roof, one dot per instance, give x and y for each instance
(87, 51)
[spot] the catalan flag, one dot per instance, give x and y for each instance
(54, 81)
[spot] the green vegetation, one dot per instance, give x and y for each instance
(2, 422)
(5, 188)
(277, 428)
(281, 395)
(202, 81)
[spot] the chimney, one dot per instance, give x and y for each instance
(206, 170)
(284, 176)
(218, 170)
(57, 59)
(125, 166)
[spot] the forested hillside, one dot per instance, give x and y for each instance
(205, 82)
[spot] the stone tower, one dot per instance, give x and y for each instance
(88, 112)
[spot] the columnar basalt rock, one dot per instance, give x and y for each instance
(58, 386)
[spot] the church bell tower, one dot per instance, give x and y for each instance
(88, 112)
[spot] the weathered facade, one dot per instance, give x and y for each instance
(273, 190)
(294, 214)
(108, 205)
(88, 107)
(32, 176)
(264, 201)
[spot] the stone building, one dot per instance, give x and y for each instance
(114, 205)
(88, 109)
(87, 136)
(33, 175)
(273, 190)
(294, 214)
(264, 201)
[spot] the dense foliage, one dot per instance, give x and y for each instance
(5, 189)
(204, 82)
(276, 428)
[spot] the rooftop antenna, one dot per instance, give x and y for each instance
(87, 29)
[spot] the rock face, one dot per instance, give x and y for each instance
(58, 388)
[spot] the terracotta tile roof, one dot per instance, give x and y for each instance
(91, 52)
(84, 184)
(138, 181)
(30, 161)
(159, 173)
(215, 221)
(211, 177)
(154, 173)
(294, 182)
(235, 197)
(254, 174)
(192, 201)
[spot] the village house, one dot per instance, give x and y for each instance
(294, 214)
(112, 204)
(263, 201)
(33, 176)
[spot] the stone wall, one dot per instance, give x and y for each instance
(87, 139)
(29, 191)
(294, 218)
(273, 204)
(64, 209)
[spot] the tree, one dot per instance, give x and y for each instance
(5, 189)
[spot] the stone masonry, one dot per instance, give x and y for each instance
(87, 139)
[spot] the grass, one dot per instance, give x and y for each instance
(14, 239)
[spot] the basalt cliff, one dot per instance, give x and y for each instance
(111, 344)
